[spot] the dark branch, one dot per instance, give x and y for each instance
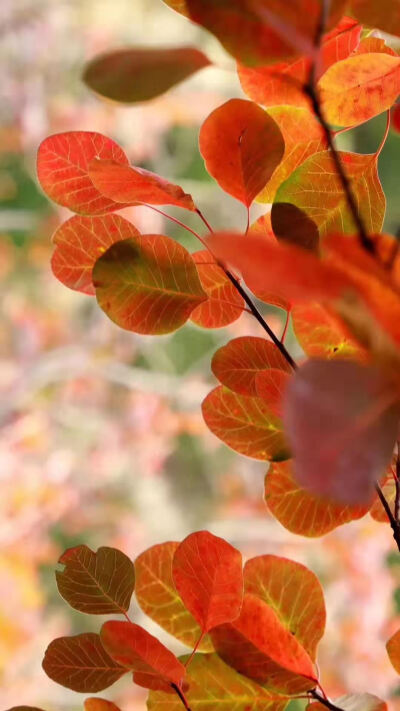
(181, 696)
(395, 526)
(323, 700)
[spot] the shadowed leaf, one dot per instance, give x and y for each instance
(354, 702)
(293, 226)
(96, 704)
(385, 15)
(224, 304)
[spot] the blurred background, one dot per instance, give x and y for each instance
(102, 440)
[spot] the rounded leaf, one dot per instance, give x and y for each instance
(393, 650)
(96, 704)
(224, 304)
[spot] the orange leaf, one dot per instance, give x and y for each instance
(237, 363)
(207, 573)
(322, 334)
(80, 241)
(124, 184)
(262, 227)
(178, 5)
(385, 15)
(138, 74)
(271, 386)
(148, 284)
(300, 511)
(96, 704)
(340, 43)
(393, 650)
(241, 146)
(277, 84)
(63, 170)
(224, 304)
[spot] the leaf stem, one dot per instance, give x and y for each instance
(394, 524)
(178, 222)
(181, 696)
(207, 224)
(385, 135)
(324, 701)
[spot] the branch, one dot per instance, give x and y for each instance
(181, 696)
(395, 526)
(324, 701)
(397, 485)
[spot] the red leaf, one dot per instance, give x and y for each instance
(224, 304)
(207, 572)
(396, 118)
(237, 363)
(322, 334)
(80, 241)
(271, 386)
(134, 648)
(124, 184)
(241, 146)
(277, 84)
(63, 170)
(340, 43)
(350, 413)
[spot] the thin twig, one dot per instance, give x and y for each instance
(324, 701)
(181, 696)
(394, 524)
(397, 485)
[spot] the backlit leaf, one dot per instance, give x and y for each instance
(148, 284)
(294, 593)
(134, 648)
(81, 663)
(388, 487)
(125, 184)
(339, 43)
(257, 645)
(241, 146)
(207, 572)
(98, 583)
(300, 511)
(139, 74)
(237, 363)
(245, 424)
(350, 411)
(393, 650)
(353, 702)
(262, 227)
(360, 87)
(271, 386)
(277, 84)
(159, 599)
(322, 334)
(385, 15)
(63, 170)
(80, 241)
(224, 304)
(96, 704)
(213, 684)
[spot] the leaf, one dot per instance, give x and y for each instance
(81, 663)
(388, 487)
(292, 226)
(80, 241)
(384, 15)
(122, 183)
(257, 645)
(212, 683)
(271, 386)
(224, 304)
(276, 85)
(99, 583)
(178, 6)
(245, 424)
(340, 43)
(207, 572)
(356, 89)
(148, 284)
(63, 170)
(293, 592)
(315, 188)
(354, 702)
(352, 411)
(322, 334)
(237, 363)
(141, 73)
(241, 146)
(262, 227)
(133, 647)
(96, 704)
(158, 598)
(300, 511)
(393, 650)
(303, 137)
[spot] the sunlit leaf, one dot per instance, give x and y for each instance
(80, 241)
(237, 363)
(138, 74)
(81, 663)
(353, 702)
(96, 583)
(158, 598)
(388, 487)
(148, 284)
(245, 424)
(322, 334)
(257, 645)
(125, 184)
(96, 704)
(339, 43)
(207, 572)
(350, 412)
(136, 649)
(224, 304)
(63, 170)
(294, 593)
(271, 386)
(385, 15)
(300, 511)
(277, 84)
(262, 227)
(213, 684)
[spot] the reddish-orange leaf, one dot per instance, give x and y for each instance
(207, 573)
(159, 599)
(294, 593)
(237, 363)
(96, 704)
(63, 170)
(385, 15)
(339, 43)
(134, 648)
(148, 284)
(80, 241)
(224, 304)
(277, 84)
(322, 334)
(241, 145)
(81, 663)
(360, 87)
(374, 44)
(125, 184)
(271, 386)
(393, 650)
(353, 702)
(246, 424)
(139, 74)
(396, 118)
(388, 487)
(263, 228)
(257, 645)
(342, 421)
(300, 511)
(98, 583)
